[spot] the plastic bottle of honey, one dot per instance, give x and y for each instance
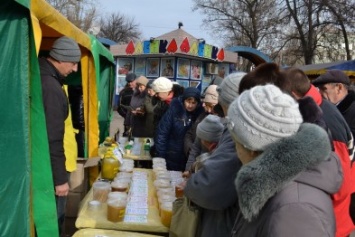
(110, 165)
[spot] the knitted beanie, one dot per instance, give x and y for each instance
(162, 84)
(210, 128)
(191, 92)
(142, 80)
(65, 49)
(149, 84)
(130, 77)
(263, 115)
(228, 89)
(211, 95)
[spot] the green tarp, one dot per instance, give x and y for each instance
(23, 135)
(27, 193)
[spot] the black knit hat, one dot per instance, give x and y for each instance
(191, 92)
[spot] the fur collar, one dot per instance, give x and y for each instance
(279, 164)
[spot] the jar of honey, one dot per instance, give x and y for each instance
(109, 166)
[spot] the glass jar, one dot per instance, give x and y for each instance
(109, 166)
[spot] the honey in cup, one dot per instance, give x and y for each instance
(166, 210)
(116, 210)
(119, 186)
(117, 195)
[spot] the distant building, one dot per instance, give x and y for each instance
(177, 55)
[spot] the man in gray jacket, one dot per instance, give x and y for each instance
(212, 188)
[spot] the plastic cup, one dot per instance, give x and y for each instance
(116, 210)
(117, 196)
(166, 210)
(101, 190)
(94, 206)
(119, 186)
(162, 183)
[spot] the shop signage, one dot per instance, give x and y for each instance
(195, 48)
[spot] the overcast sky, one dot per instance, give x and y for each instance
(157, 17)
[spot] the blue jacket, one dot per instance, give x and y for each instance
(169, 139)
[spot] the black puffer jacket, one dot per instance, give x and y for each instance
(55, 104)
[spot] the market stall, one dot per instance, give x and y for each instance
(28, 29)
(314, 70)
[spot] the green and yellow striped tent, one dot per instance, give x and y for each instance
(28, 27)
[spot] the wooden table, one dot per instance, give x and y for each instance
(111, 233)
(99, 220)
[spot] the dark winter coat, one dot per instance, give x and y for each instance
(212, 189)
(286, 190)
(161, 106)
(124, 100)
(149, 105)
(137, 121)
(56, 110)
(347, 109)
(190, 135)
(169, 140)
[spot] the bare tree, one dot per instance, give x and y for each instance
(244, 22)
(342, 18)
(119, 28)
(82, 14)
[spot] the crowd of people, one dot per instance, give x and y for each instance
(264, 153)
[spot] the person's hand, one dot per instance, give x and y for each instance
(62, 190)
(186, 174)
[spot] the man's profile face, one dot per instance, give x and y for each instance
(330, 92)
(66, 68)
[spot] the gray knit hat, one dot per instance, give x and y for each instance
(65, 49)
(228, 89)
(263, 115)
(210, 128)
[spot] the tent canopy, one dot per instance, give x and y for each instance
(29, 27)
(348, 67)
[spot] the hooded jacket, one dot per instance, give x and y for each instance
(169, 140)
(286, 190)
